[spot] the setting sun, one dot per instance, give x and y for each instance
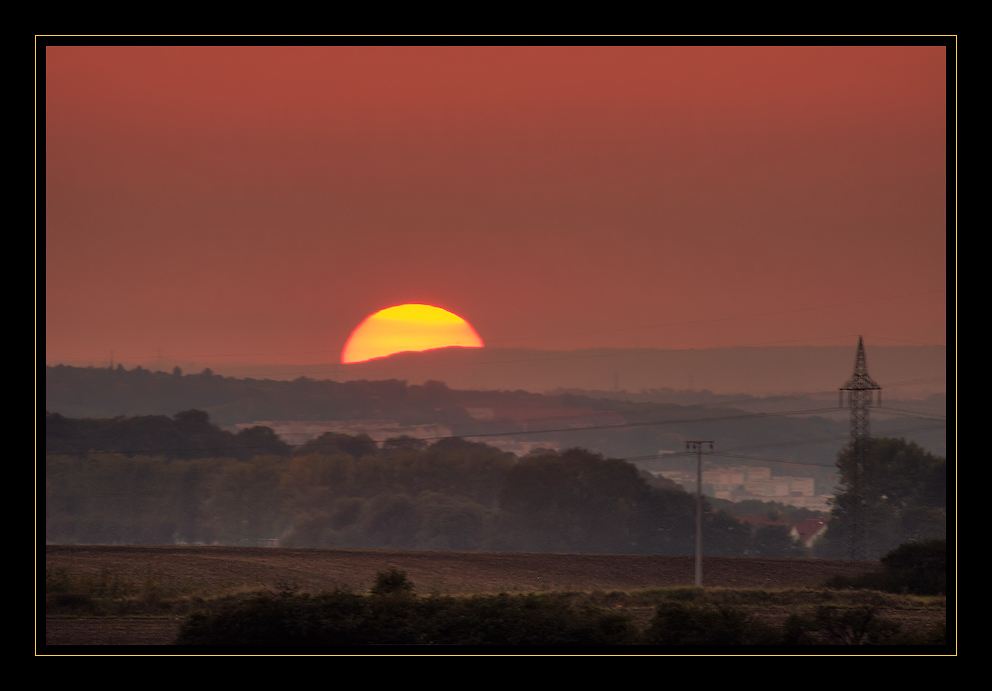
(408, 328)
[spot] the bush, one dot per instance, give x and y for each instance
(392, 582)
(343, 618)
(917, 568)
(285, 618)
(857, 626)
(680, 623)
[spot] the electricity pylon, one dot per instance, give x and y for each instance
(859, 388)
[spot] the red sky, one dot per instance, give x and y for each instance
(256, 203)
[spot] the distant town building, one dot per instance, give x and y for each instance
(542, 417)
(809, 531)
(805, 533)
(749, 482)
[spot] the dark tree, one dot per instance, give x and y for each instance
(919, 567)
(260, 441)
(578, 501)
(329, 443)
(902, 497)
(392, 582)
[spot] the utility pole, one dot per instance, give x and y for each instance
(859, 386)
(697, 446)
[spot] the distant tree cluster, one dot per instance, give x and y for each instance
(182, 479)
(158, 480)
(186, 435)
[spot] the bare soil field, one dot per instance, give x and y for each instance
(212, 571)
(216, 569)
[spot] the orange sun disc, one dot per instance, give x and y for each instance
(408, 328)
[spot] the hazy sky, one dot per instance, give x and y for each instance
(257, 203)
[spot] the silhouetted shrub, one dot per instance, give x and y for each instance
(857, 626)
(344, 618)
(918, 568)
(682, 623)
(529, 620)
(392, 582)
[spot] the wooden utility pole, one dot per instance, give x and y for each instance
(697, 446)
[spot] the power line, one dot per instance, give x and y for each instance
(807, 442)
(911, 413)
(822, 393)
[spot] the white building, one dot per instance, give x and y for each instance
(740, 483)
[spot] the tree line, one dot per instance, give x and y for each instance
(102, 393)
(184, 480)
(342, 490)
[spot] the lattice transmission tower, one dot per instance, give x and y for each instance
(859, 387)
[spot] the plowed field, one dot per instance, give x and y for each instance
(219, 568)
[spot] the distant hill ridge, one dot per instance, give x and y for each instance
(903, 371)
(638, 427)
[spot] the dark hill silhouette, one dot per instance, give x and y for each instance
(904, 371)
